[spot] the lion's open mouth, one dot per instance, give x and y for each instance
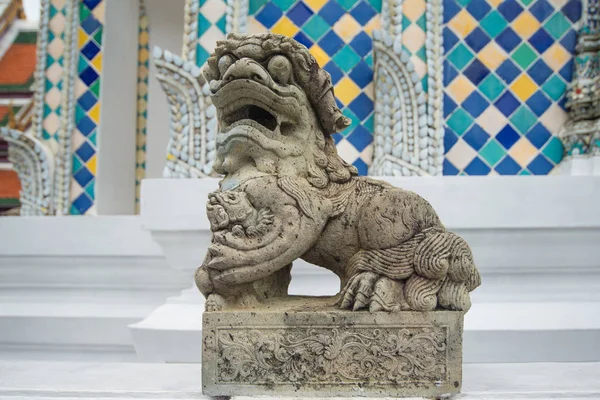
(254, 113)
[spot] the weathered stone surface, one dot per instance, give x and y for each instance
(307, 346)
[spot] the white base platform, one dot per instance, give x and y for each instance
(107, 381)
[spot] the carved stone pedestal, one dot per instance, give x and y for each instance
(305, 346)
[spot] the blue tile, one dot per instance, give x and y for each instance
(90, 50)
(449, 168)
(303, 39)
(363, 12)
(360, 138)
(572, 10)
(362, 44)
(450, 139)
(538, 135)
(508, 39)
(478, 9)
(361, 166)
(540, 165)
(507, 166)
(87, 101)
(569, 41)
(508, 71)
(88, 76)
(449, 106)
(449, 73)
(362, 74)
(477, 167)
(477, 39)
(450, 39)
(567, 71)
(476, 137)
(334, 71)
(538, 103)
(86, 125)
(476, 72)
(269, 15)
(83, 176)
(81, 204)
(541, 10)
(331, 12)
(362, 106)
(507, 137)
(539, 72)
(91, 4)
(339, 103)
(507, 103)
(337, 138)
(300, 13)
(475, 104)
(331, 43)
(91, 24)
(510, 9)
(85, 151)
(541, 40)
(450, 10)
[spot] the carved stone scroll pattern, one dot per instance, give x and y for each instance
(323, 355)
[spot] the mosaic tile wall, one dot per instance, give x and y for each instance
(87, 108)
(142, 102)
(337, 33)
(507, 66)
(211, 27)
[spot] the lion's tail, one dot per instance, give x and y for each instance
(444, 274)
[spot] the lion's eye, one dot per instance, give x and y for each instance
(280, 69)
(231, 196)
(225, 62)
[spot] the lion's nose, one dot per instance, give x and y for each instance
(247, 68)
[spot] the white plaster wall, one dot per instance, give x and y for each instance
(166, 31)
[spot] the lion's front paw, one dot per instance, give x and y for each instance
(357, 293)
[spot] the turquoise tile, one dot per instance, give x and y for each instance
(284, 5)
(524, 56)
(554, 150)
(376, 5)
(524, 172)
(491, 87)
(557, 25)
(355, 121)
(222, 24)
(523, 119)
(422, 22)
(460, 121)
(203, 24)
(554, 87)
(347, 4)
(493, 23)
(460, 56)
(315, 27)
(346, 58)
(492, 152)
(201, 55)
(255, 5)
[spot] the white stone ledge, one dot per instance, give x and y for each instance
(54, 380)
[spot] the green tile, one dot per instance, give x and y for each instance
(346, 58)
(465, 3)
(460, 56)
(284, 5)
(493, 23)
(405, 22)
(526, 2)
(524, 55)
(554, 150)
(492, 152)
(315, 27)
(557, 25)
(523, 119)
(98, 36)
(491, 87)
(422, 54)
(255, 5)
(347, 4)
(95, 88)
(422, 22)
(460, 121)
(84, 11)
(554, 87)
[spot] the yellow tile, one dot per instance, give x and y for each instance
(94, 113)
(525, 25)
(285, 27)
(319, 55)
(347, 28)
(460, 88)
(413, 38)
(315, 5)
(346, 90)
(523, 152)
(495, 3)
(83, 37)
(413, 9)
(373, 24)
(143, 55)
(463, 23)
(556, 56)
(91, 165)
(171, 157)
(523, 87)
(492, 55)
(97, 62)
(143, 38)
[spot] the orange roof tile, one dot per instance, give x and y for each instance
(18, 65)
(9, 185)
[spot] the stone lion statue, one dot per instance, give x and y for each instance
(287, 194)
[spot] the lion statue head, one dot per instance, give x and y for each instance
(276, 110)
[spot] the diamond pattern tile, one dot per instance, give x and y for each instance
(508, 65)
(338, 35)
(87, 107)
(142, 102)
